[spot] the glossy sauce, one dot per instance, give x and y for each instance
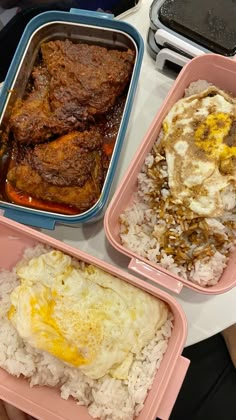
(18, 197)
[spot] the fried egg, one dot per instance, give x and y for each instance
(200, 146)
(82, 315)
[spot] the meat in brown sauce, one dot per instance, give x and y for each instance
(67, 170)
(70, 160)
(32, 120)
(75, 83)
(73, 106)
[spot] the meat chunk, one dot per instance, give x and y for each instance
(32, 120)
(31, 116)
(68, 170)
(75, 83)
(85, 77)
(69, 160)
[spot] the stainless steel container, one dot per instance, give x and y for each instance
(90, 27)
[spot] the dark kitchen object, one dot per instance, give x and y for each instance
(209, 23)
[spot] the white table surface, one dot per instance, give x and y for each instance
(206, 315)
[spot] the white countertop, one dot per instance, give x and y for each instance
(206, 315)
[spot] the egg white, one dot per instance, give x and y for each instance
(83, 315)
(195, 132)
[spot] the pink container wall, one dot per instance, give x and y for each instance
(220, 71)
(45, 403)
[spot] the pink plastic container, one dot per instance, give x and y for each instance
(221, 72)
(45, 403)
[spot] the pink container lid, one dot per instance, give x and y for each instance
(45, 403)
(221, 72)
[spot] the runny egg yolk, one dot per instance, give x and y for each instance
(210, 135)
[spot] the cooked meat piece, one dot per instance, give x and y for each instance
(70, 160)
(32, 120)
(30, 117)
(85, 78)
(26, 179)
(75, 83)
(67, 170)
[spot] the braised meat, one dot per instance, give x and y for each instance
(69, 160)
(64, 128)
(32, 116)
(74, 84)
(84, 77)
(33, 120)
(68, 170)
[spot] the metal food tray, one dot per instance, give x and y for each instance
(78, 25)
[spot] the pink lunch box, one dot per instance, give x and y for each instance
(221, 72)
(45, 403)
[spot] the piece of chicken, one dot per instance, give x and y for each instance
(32, 120)
(75, 83)
(85, 77)
(70, 160)
(68, 170)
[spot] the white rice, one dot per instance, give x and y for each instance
(145, 221)
(106, 398)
